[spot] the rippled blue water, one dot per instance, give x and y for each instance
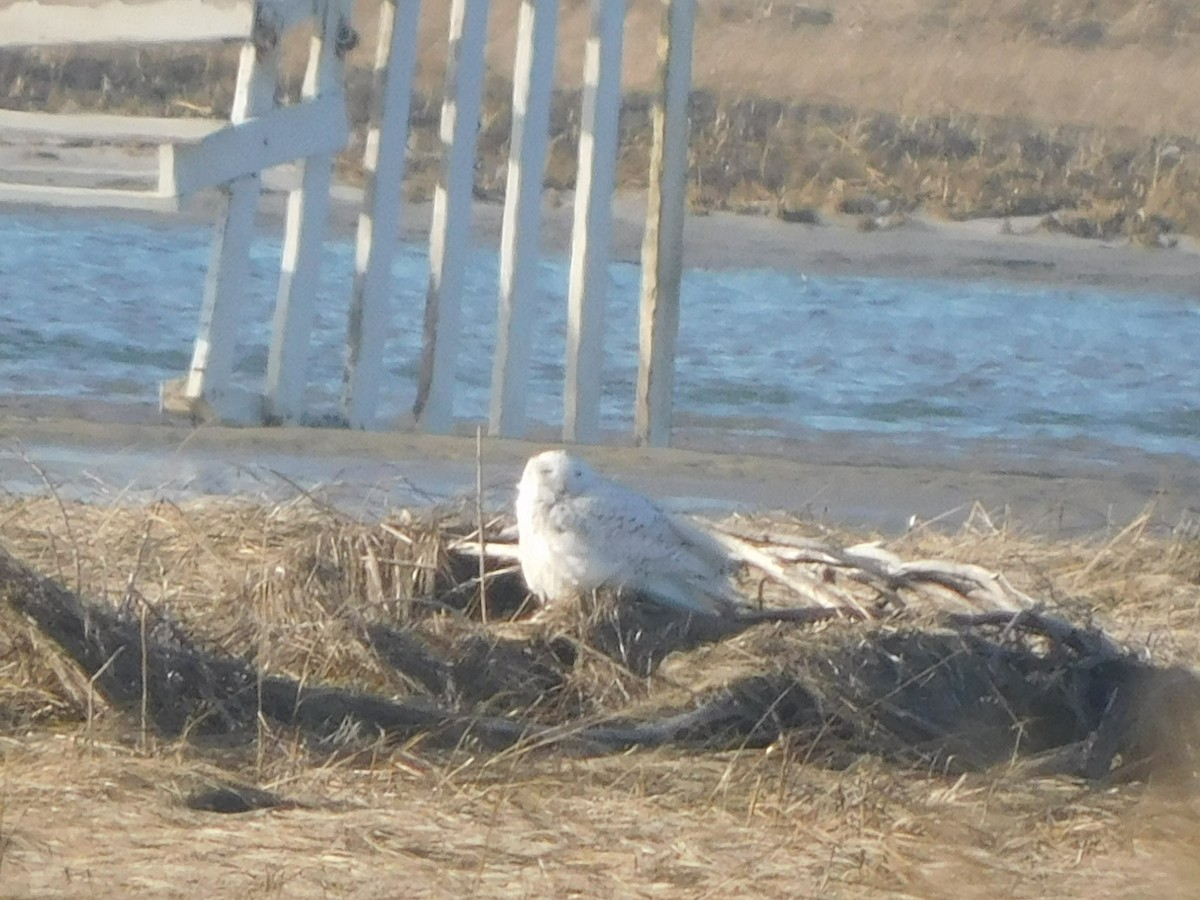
(92, 308)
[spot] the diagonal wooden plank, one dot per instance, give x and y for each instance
(314, 127)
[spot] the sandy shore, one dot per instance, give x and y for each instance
(837, 481)
(832, 477)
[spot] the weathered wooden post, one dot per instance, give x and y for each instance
(304, 230)
(533, 84)
(450, 229)
(211, 372)
(662, 248)
(591, 234)
(375, 241)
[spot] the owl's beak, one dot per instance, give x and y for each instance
(545, 485)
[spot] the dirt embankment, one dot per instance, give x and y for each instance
(1075, 112)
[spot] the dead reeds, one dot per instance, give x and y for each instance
(286, 601)
(864, 733)
(1078, 115)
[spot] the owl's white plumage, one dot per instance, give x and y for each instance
(579, 531)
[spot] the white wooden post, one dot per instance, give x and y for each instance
(533, 84)
(211, 371)
(304, 232)
(383, 167)
(591, 235)
(662, 248)
(450, 228)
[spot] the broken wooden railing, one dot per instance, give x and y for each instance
(198, 154)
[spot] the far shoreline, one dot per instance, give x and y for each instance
(1015, 250)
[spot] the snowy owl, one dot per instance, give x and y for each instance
(579, 531)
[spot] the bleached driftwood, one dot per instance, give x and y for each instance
(865, 581)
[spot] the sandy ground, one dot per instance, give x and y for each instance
(834, 481)
(843, 479)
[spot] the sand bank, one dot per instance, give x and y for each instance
(832, 479)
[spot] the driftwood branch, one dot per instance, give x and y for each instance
(804, 565)
(1089, 643)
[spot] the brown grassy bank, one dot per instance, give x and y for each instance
(360, 816)
(963, 109)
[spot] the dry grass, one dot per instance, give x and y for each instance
(633, 827)
(93, 805)
(963, 109)
(918, 58)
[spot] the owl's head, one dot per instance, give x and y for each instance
(555, 473)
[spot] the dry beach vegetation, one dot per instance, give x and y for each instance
(903, 756)
(910, 758)
(1079, 112)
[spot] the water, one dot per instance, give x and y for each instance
(105, 310)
